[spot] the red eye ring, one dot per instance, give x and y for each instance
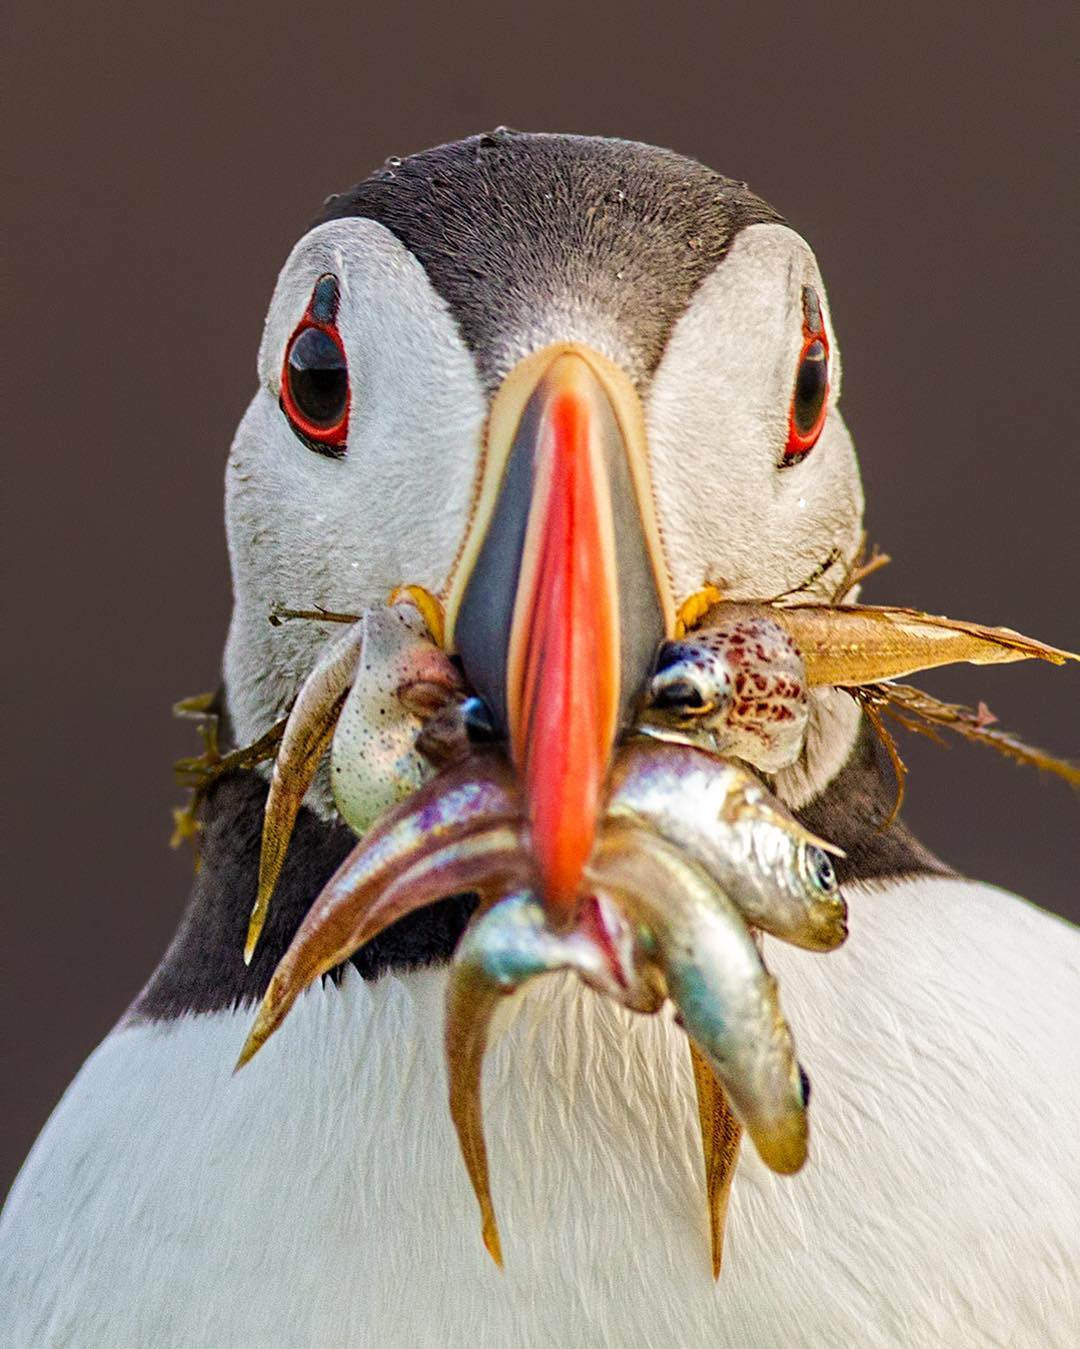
(315, 393)
(810, 397)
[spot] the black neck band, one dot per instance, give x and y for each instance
(203, 971)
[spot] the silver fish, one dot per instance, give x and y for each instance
(726, 999)
(504, 947)
(777, 872)
(457, 832)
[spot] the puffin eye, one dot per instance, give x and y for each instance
(315, 375)
(806, 416)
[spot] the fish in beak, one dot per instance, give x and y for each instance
(646, 865)
(561, 597)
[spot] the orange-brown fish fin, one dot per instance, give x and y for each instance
(470, 1005)
(721, 1134)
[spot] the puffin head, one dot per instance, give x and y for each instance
(563, 384)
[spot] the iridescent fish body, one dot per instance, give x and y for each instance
(725, 998)
(693, 856)
(776, 872)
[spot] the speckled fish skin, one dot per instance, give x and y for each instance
(736, 689)
(726, 999)
(374, 761)
(730, 824)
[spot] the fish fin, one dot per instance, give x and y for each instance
(871, 705)
(919, 711)
(470, 1005)
(721, 1134)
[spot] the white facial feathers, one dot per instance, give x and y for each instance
(716, 414)
(307, 530)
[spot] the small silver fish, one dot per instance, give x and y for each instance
(737, 689)
(366, 697)
(457, 832)
(504, 947)
(725, 997)
(777, 872)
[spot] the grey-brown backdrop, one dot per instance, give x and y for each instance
(168, 155)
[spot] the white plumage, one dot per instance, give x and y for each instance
(317, 1198)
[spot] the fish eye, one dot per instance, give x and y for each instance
(478, 722)
(818, 866)
(806, 415)
(315, 375)
(676, 693)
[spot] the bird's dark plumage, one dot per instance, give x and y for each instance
(505, 222)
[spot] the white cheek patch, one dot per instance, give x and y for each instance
(717, 416)
(417, 406)
(305, 530)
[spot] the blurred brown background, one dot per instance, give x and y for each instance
(166, 157)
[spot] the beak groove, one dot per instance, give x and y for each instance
(561, 597)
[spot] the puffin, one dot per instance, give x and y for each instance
(316, 1198)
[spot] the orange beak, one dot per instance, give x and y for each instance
(561, 599)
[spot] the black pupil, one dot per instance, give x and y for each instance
(678, 693)
(810, 386)
(823, 869)
(318, 378)
(478, 722)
